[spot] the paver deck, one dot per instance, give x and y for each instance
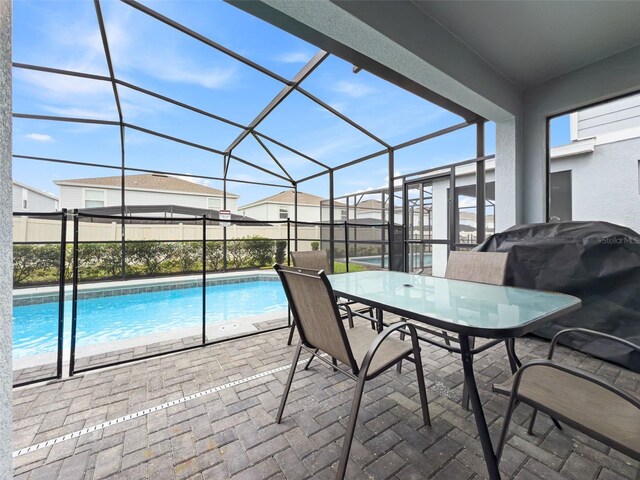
(230, 433)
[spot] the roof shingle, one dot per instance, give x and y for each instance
(148, 181)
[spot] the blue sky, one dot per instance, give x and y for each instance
(154, 56)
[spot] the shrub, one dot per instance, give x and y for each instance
(30, 260)
(110, 259)
(315, 245)
(188, 256)
(281, 251)
(150, 255)
(214, 256)
(236, 253)
(259, 251)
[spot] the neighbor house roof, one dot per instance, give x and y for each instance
(35, 190)
(288, 196)
(149, 181)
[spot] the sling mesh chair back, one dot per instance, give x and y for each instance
(319, 260)
(481, 267)
(314, 260)
(365, 353)
(586, 402)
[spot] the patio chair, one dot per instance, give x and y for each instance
(481, 267)
(365, 353)
(319, 260)
(582, 400)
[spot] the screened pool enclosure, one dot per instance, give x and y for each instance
(238, 114)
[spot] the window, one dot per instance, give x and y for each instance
(343, 215)
(25, 199)
(24, 204)
(214, 203)
(284, 213)
(94, 198)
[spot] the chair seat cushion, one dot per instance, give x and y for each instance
(391, 350)
(582, 404)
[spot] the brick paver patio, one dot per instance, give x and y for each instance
(231, 433)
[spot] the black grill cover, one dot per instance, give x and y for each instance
(598, 262)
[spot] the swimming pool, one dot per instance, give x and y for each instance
(375, 260)
(104, 319)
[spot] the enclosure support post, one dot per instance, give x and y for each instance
(391, 206)
(204, 280)
(453, 209)
(74, 298)
(62, 272)
(295, 216)
(123, 246)
(224, 229)
(332, 251)
(289, 241)
(346, 244)
(480, 185)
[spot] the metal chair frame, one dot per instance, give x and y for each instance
(359, 374)
(514, 400)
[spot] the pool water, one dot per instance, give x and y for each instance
(105, 319)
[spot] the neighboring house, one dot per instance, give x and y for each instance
(281, 207)
(597, 175)
(145, 189)
(30, 199)
(367, 209)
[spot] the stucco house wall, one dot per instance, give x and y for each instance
(74, 197)
(36, 201)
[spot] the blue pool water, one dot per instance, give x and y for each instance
(105, 319)
(375, 260)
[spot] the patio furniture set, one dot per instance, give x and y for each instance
(469, 302)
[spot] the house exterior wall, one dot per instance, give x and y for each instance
(6, 250)
(605, 183)
(270, 212)
(606, 118)
(36, 202)
(73, 197)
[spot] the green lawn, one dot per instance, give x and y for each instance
(341, 267)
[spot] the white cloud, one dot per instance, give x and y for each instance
(39, 137)
(353, 89)
(294, 57)
(163, 59)
(188, 178)
(214, 78)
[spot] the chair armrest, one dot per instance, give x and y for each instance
(382, 336)
(578, 373)
(594, 333)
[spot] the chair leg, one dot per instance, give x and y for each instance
(287, 387)
(421, 386)
(465, 390)
(399, 365)
(532, 421)
(349, 316)
(505, 427)
(291, 330)
(306, 366)
(445, 336)
(351, 427)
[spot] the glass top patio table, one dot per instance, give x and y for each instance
(470, 308)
